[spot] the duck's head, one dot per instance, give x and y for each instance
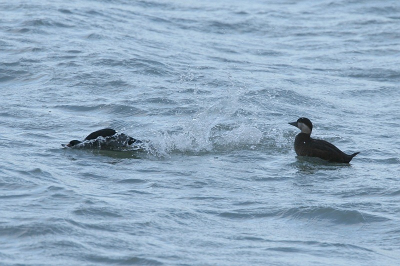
(304, 124)
(73, 143)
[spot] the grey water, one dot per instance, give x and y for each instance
(211, 87)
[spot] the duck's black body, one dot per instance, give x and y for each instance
(106, 138)
(304, 145)
(106, 132)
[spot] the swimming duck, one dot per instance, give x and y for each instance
(304, 145)
(106, 138)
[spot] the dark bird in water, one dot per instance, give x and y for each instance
(106, 138)
(304, 145)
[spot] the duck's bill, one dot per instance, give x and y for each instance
(293, 124)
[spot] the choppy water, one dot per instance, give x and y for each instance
(211, 85)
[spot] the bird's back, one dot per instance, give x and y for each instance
(106, 132)
(307, 146)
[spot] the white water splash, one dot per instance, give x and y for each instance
(215, 128)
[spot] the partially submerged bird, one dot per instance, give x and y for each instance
(106, 138)
(304, 145)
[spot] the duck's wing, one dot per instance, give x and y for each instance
(325, 150)
(106, 132)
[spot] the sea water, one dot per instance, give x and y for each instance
(210, 87)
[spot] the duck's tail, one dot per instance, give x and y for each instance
(350, 157)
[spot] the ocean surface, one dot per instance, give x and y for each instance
(210, 87)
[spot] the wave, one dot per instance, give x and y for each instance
(330, 214)
(127, 260)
